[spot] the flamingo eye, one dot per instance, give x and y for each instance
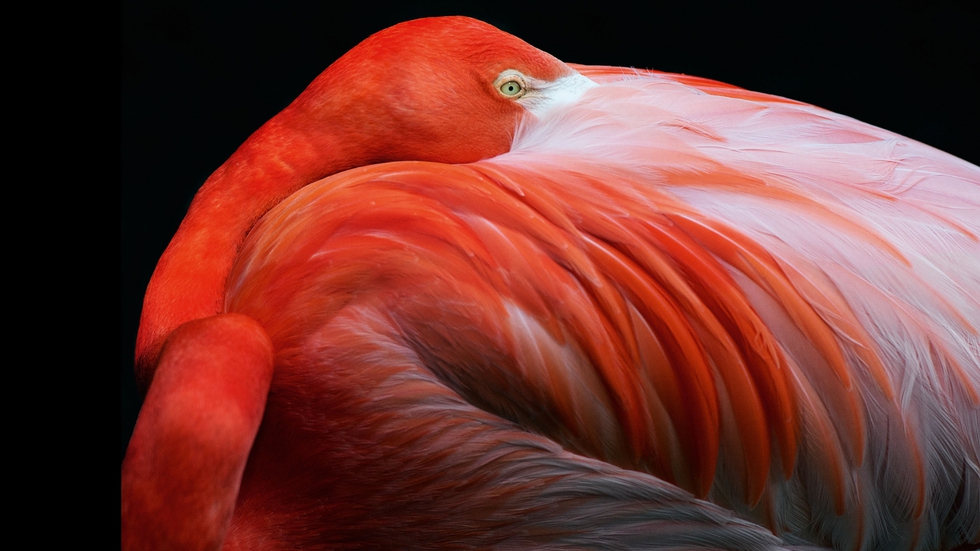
(511, 86)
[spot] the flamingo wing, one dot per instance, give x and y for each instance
(764, 324)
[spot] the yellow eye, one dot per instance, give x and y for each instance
(511, 84)
(511, 88)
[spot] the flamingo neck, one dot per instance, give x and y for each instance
(189, 280)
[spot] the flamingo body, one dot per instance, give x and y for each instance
(664, 312)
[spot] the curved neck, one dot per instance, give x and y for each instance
(189, 280)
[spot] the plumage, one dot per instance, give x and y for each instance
(655, 311)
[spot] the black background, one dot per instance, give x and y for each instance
(199, 77)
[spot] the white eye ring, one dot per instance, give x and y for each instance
(511, 85)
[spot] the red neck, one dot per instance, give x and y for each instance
(189, 280)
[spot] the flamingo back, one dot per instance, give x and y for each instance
(673, 283)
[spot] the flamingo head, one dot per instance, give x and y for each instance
(446, 89)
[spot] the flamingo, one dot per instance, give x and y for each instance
(493, 300)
